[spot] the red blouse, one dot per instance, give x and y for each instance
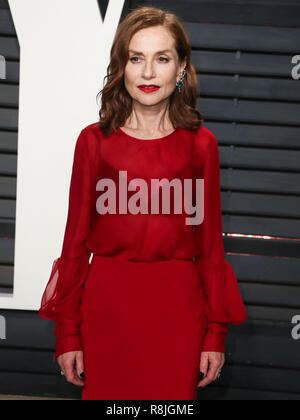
(183, 154)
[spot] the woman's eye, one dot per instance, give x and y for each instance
(134, 59)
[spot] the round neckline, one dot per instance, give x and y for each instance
(150, 141)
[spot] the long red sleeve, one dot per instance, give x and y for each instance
(223, 300)
(61, 299)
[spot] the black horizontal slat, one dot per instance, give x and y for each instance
(9, 95)
(8, 187)
(4, 4)
(255, 134)
(8, 119)
(261, 204)
(6, 250)
(266, 159)
(243, 110)
(27, 360)
(248, 87)
(7, 229)
(8, 397)
(261, 344)
(8, 141)
(28, 331)
(8, 164)
(6, 290)
(286, 228)
(271, 12)
(6, 276)
(23, 383)
(242, 63)
(7, 208)
(12, 72)
(260, 269)
(270, 313)
(6, 22)
(214, 392)
(259, 181)
(264, 378)
(271, 295)
(10, 48)
(263, 247)
(244, 38)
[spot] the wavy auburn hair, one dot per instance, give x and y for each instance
(116, 105)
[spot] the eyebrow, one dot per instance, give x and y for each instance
(158, 52)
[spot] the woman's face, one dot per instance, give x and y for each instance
(153, 60)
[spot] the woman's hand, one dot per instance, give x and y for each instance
(211, 365)
(72, 366)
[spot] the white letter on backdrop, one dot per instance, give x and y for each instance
(65, 49)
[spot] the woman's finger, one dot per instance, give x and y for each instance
(214, 367)
(80, 365)
(204, 363)
(203, 368)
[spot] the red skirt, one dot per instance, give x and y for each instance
(143, 325)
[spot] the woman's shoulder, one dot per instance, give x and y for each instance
(88, 140)
(205, 140)
(91, 134)
(204, 134)
(92, 130)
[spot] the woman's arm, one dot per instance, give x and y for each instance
(62, 296)
(224, 304)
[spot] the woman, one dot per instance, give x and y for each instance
(148, 317)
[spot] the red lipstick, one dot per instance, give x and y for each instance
(149, 88)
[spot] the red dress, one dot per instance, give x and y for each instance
(157, 291)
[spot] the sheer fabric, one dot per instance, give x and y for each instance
(62, 297)
(142, 237)
(224, 304)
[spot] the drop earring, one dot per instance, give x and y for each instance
(180, 83)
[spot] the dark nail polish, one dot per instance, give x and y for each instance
(82, 375)
(201, 376)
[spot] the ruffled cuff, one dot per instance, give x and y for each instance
(223, 300)
(62, 298)
(223, 305)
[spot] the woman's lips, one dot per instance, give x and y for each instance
(148, 90)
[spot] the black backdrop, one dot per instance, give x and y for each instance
(242, 51)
